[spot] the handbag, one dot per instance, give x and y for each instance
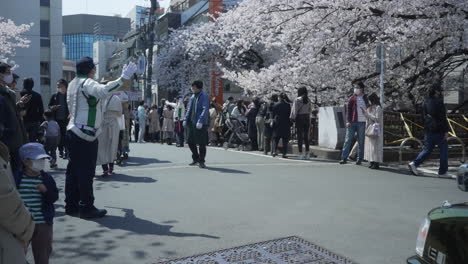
(373, 131)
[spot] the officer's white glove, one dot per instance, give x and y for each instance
(128, 70)
(184, 123)
(199, 125)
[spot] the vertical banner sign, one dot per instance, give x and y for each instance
(217, 85)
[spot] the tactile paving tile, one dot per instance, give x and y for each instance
(289, 250)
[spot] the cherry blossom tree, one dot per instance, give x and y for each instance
(11, 38)
(327, 45)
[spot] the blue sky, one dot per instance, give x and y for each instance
(104, 7)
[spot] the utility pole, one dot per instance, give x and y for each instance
(149, 45)
(382, 74)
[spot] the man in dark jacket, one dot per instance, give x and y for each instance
(58, 103)
(14, 135)
(355, 123)
(34, 110)
(282, 124)
(196, 122)
(436, 129)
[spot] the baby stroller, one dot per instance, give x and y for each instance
(236, 135)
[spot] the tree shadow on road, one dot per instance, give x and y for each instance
(135, 225)
(126, 178)
(225, 170)
(140, 161)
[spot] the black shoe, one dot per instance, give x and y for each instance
(202, 165)
(359, 162)
(371, 165)
(343, 162)
(92, 213)
(274, 154)
(194, 163)
(285, 156)
(72, 212)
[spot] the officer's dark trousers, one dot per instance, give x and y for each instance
(81, 170)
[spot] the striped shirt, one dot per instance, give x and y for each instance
(32, 197)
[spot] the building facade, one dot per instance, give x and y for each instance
(139, 15)
(80, 32)
(102, 52)
(43, 60)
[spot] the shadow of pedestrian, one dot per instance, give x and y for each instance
(125, 178)
(224, 170)
(140, 161)
(131, 223)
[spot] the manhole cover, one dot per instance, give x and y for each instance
(279, 251)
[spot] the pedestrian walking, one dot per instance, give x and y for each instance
(51, 136)
(251, 116)
(168, 124)
(58, 104)
(373, 147)
(269, 125)
(39, 193)
(14, 133)
(282, 125)
(16, 224)
(436, 128)
(34, 110)
(142, 121)
(153, 120)
(108, 139)
(179, 116)
(85, 96)
(355, 123)
(300, 114)
(196, 122)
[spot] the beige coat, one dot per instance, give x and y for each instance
(109, 137)
(168, 124)
(16, 222)
(373, 147)
(154, 121)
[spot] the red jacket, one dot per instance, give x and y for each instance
(351, 109)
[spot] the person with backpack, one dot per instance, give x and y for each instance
(436, 129)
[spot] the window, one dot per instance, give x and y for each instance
(45, 29)
(45, 81)
(45, 2)
(45, 42)
(45, 68)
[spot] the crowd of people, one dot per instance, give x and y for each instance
(85, 120)
(91, 123)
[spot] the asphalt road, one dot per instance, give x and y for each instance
(161, 208)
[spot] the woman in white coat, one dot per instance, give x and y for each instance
(373, 146)
(109, 137)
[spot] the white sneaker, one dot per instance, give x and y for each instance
(307, 156)
(413, 169)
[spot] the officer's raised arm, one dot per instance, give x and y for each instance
(102, 91)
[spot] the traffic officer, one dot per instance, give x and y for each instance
(85, 99)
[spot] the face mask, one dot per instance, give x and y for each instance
(39, 165)
(357, 91)
(8, 78)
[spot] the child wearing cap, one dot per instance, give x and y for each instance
(39, 193)
(52, 136)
